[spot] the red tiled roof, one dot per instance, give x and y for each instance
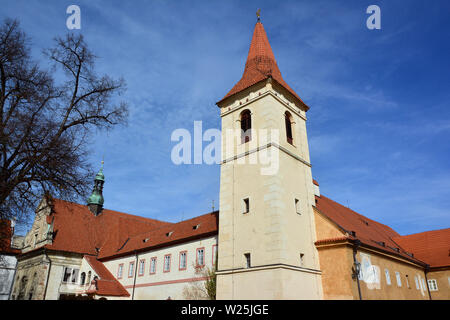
(76, 229)
(315, 182)
(260, 65)
(432, 247)
(201, 226)
(106, 285)
(5, 238)
(369, 232)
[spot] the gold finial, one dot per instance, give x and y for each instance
(258, 14)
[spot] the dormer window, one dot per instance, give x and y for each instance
(168, 234)
(196, 227)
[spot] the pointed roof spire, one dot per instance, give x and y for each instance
(260, 65)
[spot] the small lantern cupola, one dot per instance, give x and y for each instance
(95, 201)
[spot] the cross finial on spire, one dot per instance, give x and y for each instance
(258, 14)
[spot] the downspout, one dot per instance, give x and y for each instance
(357, 243)
(14, 277)
(427, 269)
(48, 273)
(135, 274)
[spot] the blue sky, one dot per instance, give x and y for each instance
(379, 122)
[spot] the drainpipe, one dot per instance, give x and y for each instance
(427, 269)
(357, 243)
(14, 279)
(135, 274)
(48, 273)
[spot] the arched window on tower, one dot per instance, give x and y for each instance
(288, 121)
(246, 126)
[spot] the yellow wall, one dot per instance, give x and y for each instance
(443, 283)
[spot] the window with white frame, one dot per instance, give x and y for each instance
(131, 269)
(416, 280)
(120, 271)
(432, 284)
(167, 263)
(388, 277)
(183, 260)
(153, 265)
(70, 275)
(141, 267)
(399, 279)
(201, 257)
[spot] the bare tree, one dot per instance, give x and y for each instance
(45, 125)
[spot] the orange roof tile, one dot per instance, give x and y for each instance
(432, 247)
(260, 65)
(368, 231)
(5, 238)
(201, 226)
(76, 229)
(107, 285)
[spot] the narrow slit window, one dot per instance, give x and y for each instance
(297, 206)
(248, 262)
(246, 206)
(302, 259)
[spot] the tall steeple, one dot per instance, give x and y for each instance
(266, 220)
(95, 201)
(260, 65)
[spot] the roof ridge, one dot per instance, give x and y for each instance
(173, 224)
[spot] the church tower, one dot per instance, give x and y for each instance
(266, 220)
(95, 201)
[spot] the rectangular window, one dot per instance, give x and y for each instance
(302, 259)
(183, 260)
(67, 274)
(131, 270)
(246, 205)
(120, 271)
(432, 284)
(407, 282)
(201, 257)
(399, 280)
(388, 277)
(153, 265)
(248, 262)
(141, 267)
(417, 282)
(70, 275)
(167, 263)
(297, 206)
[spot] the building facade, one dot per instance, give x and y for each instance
(275, 236)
